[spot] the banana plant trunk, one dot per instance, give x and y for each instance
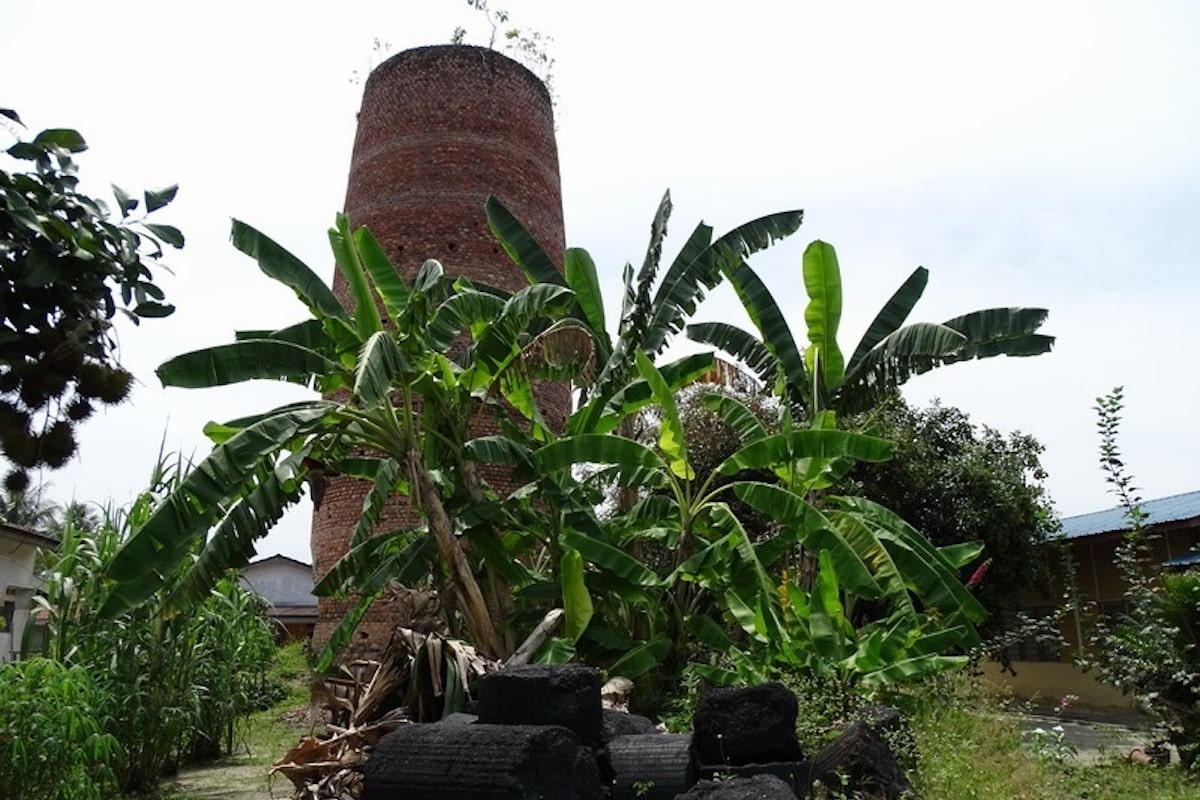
(480, 624)
(499, 599)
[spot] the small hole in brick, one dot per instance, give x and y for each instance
(364, 635)
(451, 246)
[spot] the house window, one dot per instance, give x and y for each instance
(6, 617)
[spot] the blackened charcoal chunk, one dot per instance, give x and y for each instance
(759, 787)
(753, 725)
(564, 694)
(651, 767)
(794, 773)
(618, 723)
(860, 763)
(480, 762)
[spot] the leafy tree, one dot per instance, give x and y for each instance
(820, 377)
(66, 270)
(956, 482)
(404, 387)
(29, 508)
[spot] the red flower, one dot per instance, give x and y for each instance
(979, 575)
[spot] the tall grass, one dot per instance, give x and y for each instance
(173, 681)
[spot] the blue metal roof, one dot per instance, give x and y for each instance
(1185, 560)
(1164, 509)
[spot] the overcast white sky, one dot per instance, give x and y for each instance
(1027, 153)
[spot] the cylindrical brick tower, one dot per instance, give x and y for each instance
(440, 129)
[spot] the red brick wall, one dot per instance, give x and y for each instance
(440, 129)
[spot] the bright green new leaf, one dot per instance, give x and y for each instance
(577, 603)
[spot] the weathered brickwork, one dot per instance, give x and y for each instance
(440, 129)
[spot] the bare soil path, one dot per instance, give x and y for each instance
(234, 778)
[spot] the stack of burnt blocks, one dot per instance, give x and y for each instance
(540, 732)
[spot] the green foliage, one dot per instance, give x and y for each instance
(957, 482)
(527, 45)
(66, 270)
(819, 376)
(52, 742)
(170, 682)
(967, 748)
(1152, 652)
(456, 353)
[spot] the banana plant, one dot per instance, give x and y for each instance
(820, 637)
(652, 310)
(819, 376)
(399, 390)
(706, 558)
(865, 560)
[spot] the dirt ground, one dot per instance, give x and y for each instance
(229, 780)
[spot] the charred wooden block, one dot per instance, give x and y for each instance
(759, 787)
(861, 763)
(564, 694)
(752, 725)
(618, 723)
(481, 762)
(794, 773)
(652, 767)
(893, 726)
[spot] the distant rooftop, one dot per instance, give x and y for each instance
(1163, 510)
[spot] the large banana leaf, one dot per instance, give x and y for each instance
(893, 314)
(903, 560)
(231, 544)
(278, 263)
(776, 336)
(385, 481)
(200, 501)
(584, 281)
(380, 364)
(638, 301)
(628, 456)
(811, 528)
(696, 270)
(736, 415)
(1001, 331)
(743, 346)
(388, 284)
(309, 333)
(253, 359)
(603, 413)
(345, 254)
(610, 558)
(784, 448)
(577, 603)
(643, 658)
(909, 351)
(368, 566)
(671, 441)
(521, 245)
(823, 314)
(828, 627)
(912, 669)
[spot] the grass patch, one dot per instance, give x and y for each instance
(967, 751)
(262, 739)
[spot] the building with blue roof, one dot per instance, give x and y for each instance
(1046, 672)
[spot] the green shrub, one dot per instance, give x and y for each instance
(52, 745)
(1152, 652)
(172, 676)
